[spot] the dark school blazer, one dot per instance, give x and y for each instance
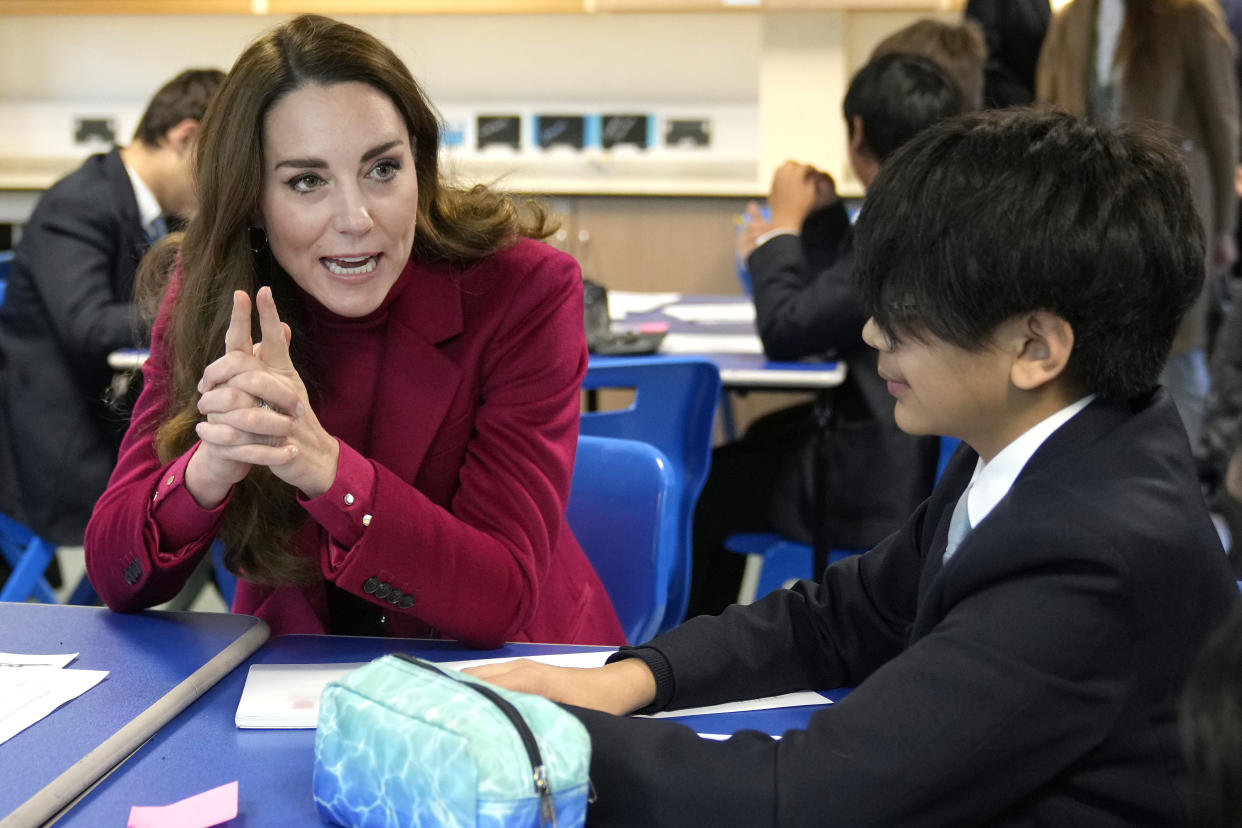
(68, 305)
(1031, 680)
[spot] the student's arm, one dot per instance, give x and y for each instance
(71, 252)
(798, 312)
(1021, 678)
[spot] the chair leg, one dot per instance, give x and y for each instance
(84, 593)
(27, 579)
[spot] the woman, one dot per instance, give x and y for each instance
(1171, 62)
(393, 455)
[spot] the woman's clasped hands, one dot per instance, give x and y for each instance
(257, 412)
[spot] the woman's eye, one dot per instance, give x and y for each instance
(305, 183)
(385, 170)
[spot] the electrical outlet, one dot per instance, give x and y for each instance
(89, 130)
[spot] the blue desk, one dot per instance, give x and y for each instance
(203, 748)
(158, 662)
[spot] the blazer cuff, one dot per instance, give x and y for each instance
(660, 668)
(345, 509)
(178, 518)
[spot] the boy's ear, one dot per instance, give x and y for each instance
(180, 137)
(858, 136)
(1042, 345)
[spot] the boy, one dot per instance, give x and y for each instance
(1024, 275)
(69, 303)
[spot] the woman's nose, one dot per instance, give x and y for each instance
(353, 216)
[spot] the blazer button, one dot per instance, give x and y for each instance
(370, 585)
(406, 602)
(395, 596)
(383, 589)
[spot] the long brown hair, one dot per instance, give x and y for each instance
(455, 226)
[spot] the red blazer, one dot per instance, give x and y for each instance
(456, 523)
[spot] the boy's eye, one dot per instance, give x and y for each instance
(385, 170)
(305, 182)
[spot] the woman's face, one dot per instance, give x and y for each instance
(339, 194)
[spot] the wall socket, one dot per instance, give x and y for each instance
(91, 130)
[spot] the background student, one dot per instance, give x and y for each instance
(1018, 646)
(801, 263)
(1014, 30)
(69, 303)
(1170, 62)
(1211, 728)
(391, 453)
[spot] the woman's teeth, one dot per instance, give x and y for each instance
(351, 267)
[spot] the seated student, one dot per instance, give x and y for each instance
(1211, 728)
(1021, 672)
(393, 455)
(801, 262)
(69, 303)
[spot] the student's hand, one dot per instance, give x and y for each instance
(754, 226)
(616, 688)
(797, 191)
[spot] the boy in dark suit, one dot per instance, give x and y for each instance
(1017, 647)
(69, 303)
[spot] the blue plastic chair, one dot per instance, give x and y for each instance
(28, 555)
(773, 560)
(6, 264)
(674, 408)
(631, 484)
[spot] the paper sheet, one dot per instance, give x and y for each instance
(31, 687)
(199, 811)
(713, 312)
(287, 695)
(684, 343)
(799, 699)
(621, 303)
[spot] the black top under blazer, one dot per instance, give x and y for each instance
(1031, 680)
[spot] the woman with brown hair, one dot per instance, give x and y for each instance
(1169, 62)
(392, 454)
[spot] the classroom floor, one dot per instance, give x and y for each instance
(73, 567)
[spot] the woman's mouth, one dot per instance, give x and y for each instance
(351, 265)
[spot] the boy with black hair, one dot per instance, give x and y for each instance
(1018, 646)
(801, 263)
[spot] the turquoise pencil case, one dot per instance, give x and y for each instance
(404, 742)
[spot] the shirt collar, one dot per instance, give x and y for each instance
(148, 206)
(992, 481)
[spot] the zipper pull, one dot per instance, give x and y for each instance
(547, 809)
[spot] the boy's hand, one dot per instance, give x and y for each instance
(797, 191)
(754, 226)
(616, 688)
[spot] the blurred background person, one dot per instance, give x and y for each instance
(69, 303)
(958, 49)
(1170, 62)
(1014, 31)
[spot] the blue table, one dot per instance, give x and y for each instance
(158, 662)
(203, 748)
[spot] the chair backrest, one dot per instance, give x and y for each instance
(674, 409)
(630, 484)
(6, 263)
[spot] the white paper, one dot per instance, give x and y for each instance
(803, 698)
(30, 692)
(282, 696)
(621, 303)
(684, 343)
(713, 312)
(26, 660)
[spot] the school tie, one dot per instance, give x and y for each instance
(157, 228)
(959, 526)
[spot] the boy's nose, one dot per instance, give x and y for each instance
(875, 337)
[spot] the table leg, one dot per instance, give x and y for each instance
(825, 422)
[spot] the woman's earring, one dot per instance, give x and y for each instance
(256, 239)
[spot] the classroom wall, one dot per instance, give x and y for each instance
(792, 67)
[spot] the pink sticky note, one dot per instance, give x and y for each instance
(199, 811)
